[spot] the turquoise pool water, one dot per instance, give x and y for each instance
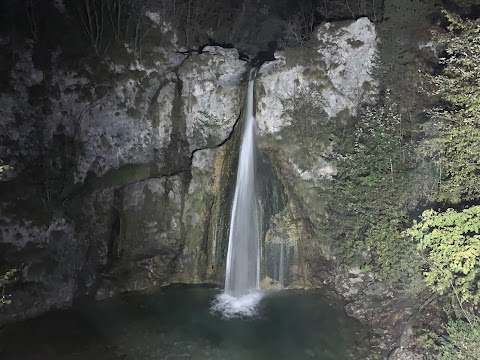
(176, 323)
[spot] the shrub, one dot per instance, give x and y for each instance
(460, 341)
(457, 145)
(373, 193)
(450, 242)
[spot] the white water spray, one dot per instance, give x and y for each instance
(242, 277)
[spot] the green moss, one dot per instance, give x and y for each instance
(198, 208)
(220, 211)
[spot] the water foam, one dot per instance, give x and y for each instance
(234, 307)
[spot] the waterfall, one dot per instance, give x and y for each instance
(242, 277)
(243, 257)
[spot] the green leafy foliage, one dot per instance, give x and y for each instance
(374, 189)
(458, 142)
(458, 83)
(450, 241)
(460, 341)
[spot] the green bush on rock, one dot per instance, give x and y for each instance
(450, 242)
(457, 145)
(460, 341)
(5, 280)
(373, 193)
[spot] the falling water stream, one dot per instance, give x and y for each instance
(243, 258)
(242, 276)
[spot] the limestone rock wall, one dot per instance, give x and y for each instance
(111, 167)
(336, 71)
(301, 98)
(136, 166)
(211, 95)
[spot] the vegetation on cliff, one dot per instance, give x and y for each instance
(449, 239)
(392, 168)
(376, 172)
(457, 145)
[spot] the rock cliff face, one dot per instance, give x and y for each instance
(300, 98)
(111, 172)
(134, 170)
(122, 172)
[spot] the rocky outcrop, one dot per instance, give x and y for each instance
(211, 95)
(149, 233)
(377, 304)
(335, 72)
(48, 258)
(113, 151)
(300, 99)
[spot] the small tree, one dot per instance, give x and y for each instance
(116, 10)
(457, 145)
(300, 25)
(450, 242)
